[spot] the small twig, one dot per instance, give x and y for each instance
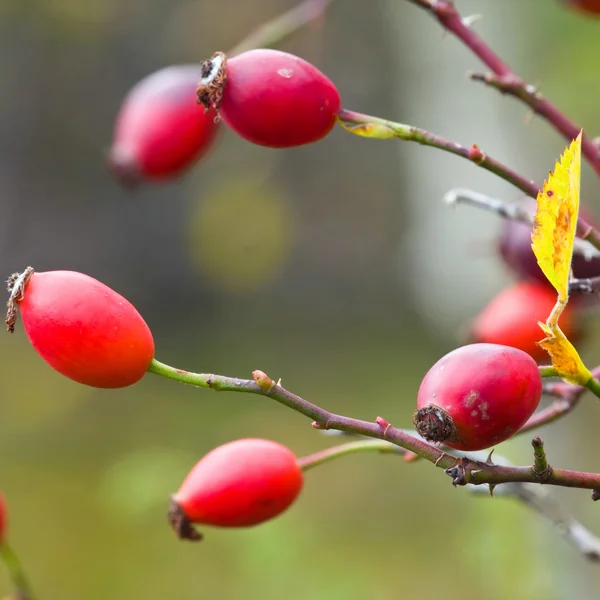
(566, 396)
(506, 80)
(591, 285)
(541, 468)
(318, 458)
(281, 27)
(542, 501)
(514, 211)
(19, 579)
(375, 127)
(462, 471)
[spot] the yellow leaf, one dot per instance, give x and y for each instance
(564, 356)
(556, 219)
(377, 131)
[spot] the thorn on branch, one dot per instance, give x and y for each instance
(595, 495)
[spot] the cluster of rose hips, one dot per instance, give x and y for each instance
(475, 397)
(170, 119)
(511, 318)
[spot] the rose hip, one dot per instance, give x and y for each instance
(512, 317)
(477, 396)
(270, 98)
(160, 130)
(82, 328)
(239, 484)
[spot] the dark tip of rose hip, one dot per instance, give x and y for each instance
(16, 286)
(434, 424)
(181, 524)
(124, 167)
(212, 85)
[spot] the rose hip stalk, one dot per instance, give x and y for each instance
(477, 396)
(160, 130)
(239, 484)
(270, 98)
(81, 328)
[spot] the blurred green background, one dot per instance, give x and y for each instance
(340, 271)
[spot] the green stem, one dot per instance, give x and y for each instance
(548, 371)
(16, 571)
(594, 386)
(318, 458)
(278, 29)
(377, 128)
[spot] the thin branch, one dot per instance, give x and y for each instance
(591, 285)
(375, 127)
(566, 396)
(514, 211)
(542, 501)
(536, 497)
(504, 79)
(278, 29)
(508, 82)
(15, 568)
(318, 458)
(462, 470)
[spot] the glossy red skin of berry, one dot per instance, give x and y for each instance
(514, 246)
(161, 130)
(511, 318)
(488, 390)
(85, 330)
(240, 484)
(590, 7)
(278, 100)
(3, 518)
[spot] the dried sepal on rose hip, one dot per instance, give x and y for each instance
(477, 396)
(82, 328)
(270, 98)
(239, 484)
(160, 130)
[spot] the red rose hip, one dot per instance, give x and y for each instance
(82, 328)
(3, 518)
(239, 484)
(477, 396)
(270, 98)
(160, 130)
(511, 318)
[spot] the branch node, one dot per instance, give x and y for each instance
(265, 383)
(476, 155)
(459, 473)
(384, 424)
(541, 469)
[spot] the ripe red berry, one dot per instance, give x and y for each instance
(270, 98)
(514, 246)
(239, 484)
(512, 317)
(81, 327)
(161, 130)
(477, 396)
(3, 518)
(590, 7)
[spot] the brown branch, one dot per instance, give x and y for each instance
(462, 470)
(507, 81)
